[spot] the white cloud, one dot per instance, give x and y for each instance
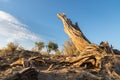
(14, 30)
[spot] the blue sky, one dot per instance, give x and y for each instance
(98, 19)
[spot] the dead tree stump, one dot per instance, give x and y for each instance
(90, 54)
(74, 32)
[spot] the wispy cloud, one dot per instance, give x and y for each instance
(13, 30)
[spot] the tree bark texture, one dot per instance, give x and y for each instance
(74, 32)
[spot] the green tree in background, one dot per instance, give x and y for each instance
(52, 46)
(39, 46)
(12, 46)
(20, 48)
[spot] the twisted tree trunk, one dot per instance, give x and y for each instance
(91, 54)
(74, 32)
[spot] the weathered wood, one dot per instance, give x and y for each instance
(91, 54)
(25, 74)
(74, 32)
(90, 57)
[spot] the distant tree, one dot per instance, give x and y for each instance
(69, 48)
(39, 46)
(12, 46)
(57, 52)
(3, 51)
(20, 48)
(52, 46)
